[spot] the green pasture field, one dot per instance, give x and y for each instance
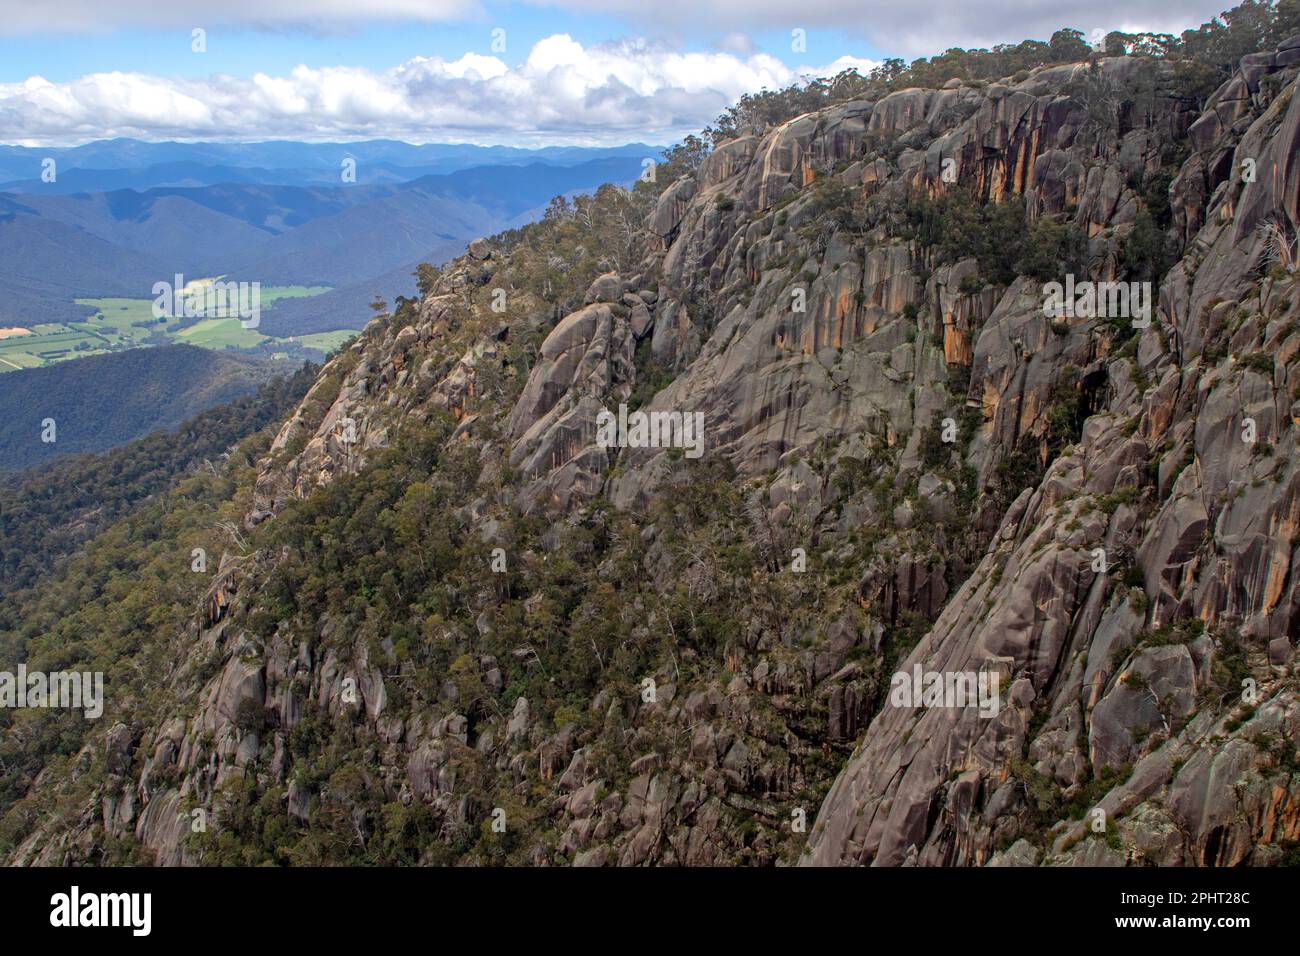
(119, 324)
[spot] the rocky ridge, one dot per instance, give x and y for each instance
(788, 291)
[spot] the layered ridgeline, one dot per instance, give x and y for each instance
(48, 511)
(454, 611)
(101, 401)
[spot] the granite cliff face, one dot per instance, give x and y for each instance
(1166, 473)
(1102, 512)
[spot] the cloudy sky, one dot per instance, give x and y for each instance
(529, 73)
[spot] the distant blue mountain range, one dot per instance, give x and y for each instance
(124, 214)
(134, 164)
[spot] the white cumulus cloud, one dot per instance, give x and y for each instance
(898, 27)
(906, 28)
(562, 92)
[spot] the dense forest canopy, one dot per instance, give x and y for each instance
(47, 511)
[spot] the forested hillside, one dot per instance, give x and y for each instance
(102, 401)
(445, 621)
(47, 512)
